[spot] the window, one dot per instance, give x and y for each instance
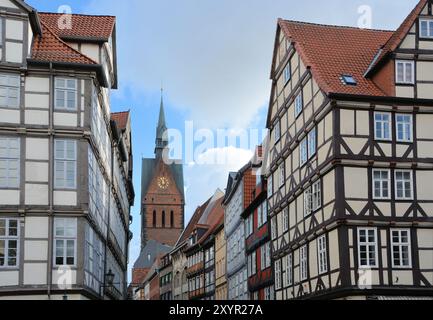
(172, 219)
(303, 262)
(269, 293)
(282, 175)
(278, 274)
(308, 202)
(287, 74)
(265, 258)
(317, 196)
(65, 164)
(9, 90)
(270, 186)
(154, 219)
(382, 126)
(65, 241)
(404, 127)
(274, 228)
(253, 263)
(9, 239)
(259, 216)
(403, 185)
(9, 162)
(303, 149)
(381, 184)
(426, 28)
(312, 146)
(322, 254)
(66, 94)
(299, 104)
(277, 132)
(285, 220)
(348, 80)
(289, 270)
(163, 219)
(265, 212)
(405, 72)
(400, 243)
(367, 247)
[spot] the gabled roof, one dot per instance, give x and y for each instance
(84, 27)
(149, 253)
(332, 51)
(398, 36)
(50, 48)
(121, 119)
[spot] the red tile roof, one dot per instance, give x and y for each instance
(83, 26)
(50, 48)
(331, 51)
(121, 119)
(399, 35)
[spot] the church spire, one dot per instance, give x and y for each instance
(161, 137)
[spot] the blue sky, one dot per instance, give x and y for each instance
(213, 58)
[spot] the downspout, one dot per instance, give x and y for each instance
(51, 186)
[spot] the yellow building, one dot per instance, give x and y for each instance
(220, 259)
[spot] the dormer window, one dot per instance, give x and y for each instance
(404, 72)
(348, 80)
(426, 28)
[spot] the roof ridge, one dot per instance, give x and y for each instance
(335, 26)
(64, 43)
(76, 14)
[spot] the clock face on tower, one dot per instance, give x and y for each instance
(163, 183)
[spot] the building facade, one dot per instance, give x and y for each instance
(238, 193)
(258, 245)
(65, 161)
(350, 160)
(165, 278)
(220, 263)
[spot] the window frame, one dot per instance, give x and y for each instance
(405, 63)
(303, 263)
(65, 238)
(299, 104)
(404, 140)
(401, 244)
(428, 21)
(277, 132)
(404, 181)
(66, 90)
(8, 159)
(286, 224)
(9, 87)
(65, 160)
(390, 123)
(8, 238)
(303, 152)
(381, 197)
(278, 281)
(367, 244)
(287, 73)
(322, 254)
(282, 175)
(312, 140)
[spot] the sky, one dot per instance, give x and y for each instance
(213, 59)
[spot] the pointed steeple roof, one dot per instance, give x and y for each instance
(161, 140)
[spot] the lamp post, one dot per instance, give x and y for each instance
(108, 283)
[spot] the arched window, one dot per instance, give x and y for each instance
(172, 219)
(163, 219)
(154, 218)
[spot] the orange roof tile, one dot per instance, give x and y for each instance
(50, 48)
(333, 51)
(121, 119)
(83, 26)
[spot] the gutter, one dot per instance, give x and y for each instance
(386, 99)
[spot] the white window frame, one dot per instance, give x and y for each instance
(70, 224)
(278, 274)
(316, 193)
(400, 244)
(405, 64)
(289, 269)
(270, 186)
(383, 123)
(265, 212)
(11, 85)
(407, 132)
(277, 132)
(274, 232)
(65, 160)
(396, 182)
(303, 152)
(287, 73)
(322, 254)
(8, 159)
(65, 91)
(429, 34)
(381, 197)
(299, 104)
(367, 245)
(259, 216)
(282, 171)
(7, 238)
(303, 263)
(308, 202)
(286, 219)
(312, 143)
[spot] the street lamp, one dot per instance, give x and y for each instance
(109, 278)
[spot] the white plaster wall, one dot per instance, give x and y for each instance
(65, 198)
(35, 273)
(65, 119)
(58, 277)
(36, 194)
(9, 197)
(40, 101)
(10, 116)
(9, 278)
(36, 227)
(91, 50)
(37, 149)
(37, 84)
(8, 4)
(36, 117)
(14, 52)
(14, 29)
(36, 250)
(36, 172)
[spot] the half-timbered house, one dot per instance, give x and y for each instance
(351, 160)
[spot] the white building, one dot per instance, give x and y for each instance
(65, 163)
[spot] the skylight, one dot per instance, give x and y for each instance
(348, 80)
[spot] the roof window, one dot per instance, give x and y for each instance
(348, 80)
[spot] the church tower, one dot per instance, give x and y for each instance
(163, 200)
